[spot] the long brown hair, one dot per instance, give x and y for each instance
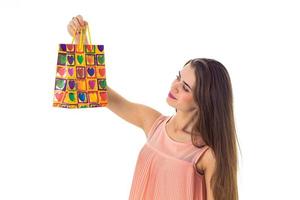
(215, 123)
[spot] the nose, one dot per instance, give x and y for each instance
(174, 88)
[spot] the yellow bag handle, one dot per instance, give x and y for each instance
(82, 34)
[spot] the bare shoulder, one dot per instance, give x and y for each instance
(207, 161)
(150, 115)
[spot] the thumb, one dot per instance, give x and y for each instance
(85, 23)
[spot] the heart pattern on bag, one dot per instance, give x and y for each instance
(91, 71)
(92, 84)
(80, 59)
(71, 71)
(80, 77)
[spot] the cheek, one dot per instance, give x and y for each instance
(187, 98)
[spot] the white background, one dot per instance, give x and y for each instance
(52, 153)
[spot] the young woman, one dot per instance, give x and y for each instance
(193, 153)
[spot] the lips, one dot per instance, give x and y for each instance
(171, 96)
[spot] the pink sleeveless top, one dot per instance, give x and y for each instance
(166, 169)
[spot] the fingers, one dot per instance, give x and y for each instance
(71, 29)
(76, 25)
(79, 22)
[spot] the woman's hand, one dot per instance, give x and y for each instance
(77, 24)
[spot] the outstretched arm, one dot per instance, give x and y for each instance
(139, 115)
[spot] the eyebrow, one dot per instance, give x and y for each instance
(183, 81)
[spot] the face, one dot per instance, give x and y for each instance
(182, 89)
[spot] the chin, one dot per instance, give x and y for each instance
(170, 103)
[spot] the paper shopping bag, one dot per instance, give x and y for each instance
(80, 80)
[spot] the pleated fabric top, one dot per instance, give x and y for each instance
(166, 169)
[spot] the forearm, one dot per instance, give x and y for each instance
(125, 109)
(116, 102)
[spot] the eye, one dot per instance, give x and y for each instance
(185, 89)
(177, 77)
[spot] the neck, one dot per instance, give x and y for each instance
(183, 121)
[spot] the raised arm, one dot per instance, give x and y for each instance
(137, 114)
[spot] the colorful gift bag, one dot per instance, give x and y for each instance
(80, 75)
